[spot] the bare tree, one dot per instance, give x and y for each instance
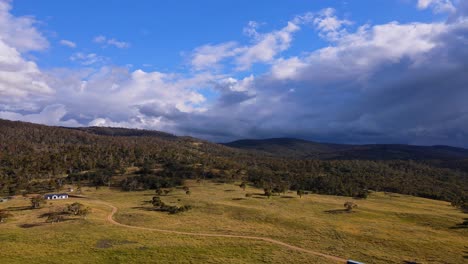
(350, 206)
(300, 193)
(37, 201)
(243, 185)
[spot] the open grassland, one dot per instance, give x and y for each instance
(386, 228)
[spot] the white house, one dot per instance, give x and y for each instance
(55, 196)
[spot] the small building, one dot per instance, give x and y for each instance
(4, 200)
(353, 262)
(56, 196)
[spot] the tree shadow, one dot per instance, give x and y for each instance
(462, 225)
(44, 215)
(338, 211)
(287, 197)
(409, 262)
(76, 196)
(108, 243)
(238, 199)
(30, 225)
(19, 208)
(104, 243)
(149, 209)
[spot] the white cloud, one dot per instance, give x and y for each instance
(20, 32)
(51, 115)
(267, 46)
(330, 27)
(263, 50)
(67, 43)
(232, 84)
(439, 6)
(20, 79)
(287, 68)
(251, 29)
(87, 58)
(357, 55)
(99, 39)
(118, 44)
(115, 96)
(111, 42)
(209, 56)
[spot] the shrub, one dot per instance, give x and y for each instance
(4, 215)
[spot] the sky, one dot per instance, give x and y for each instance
(354, 71)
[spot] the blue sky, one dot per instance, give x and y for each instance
(355, 71)
(161, 32)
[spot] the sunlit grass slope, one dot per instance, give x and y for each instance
(385, 228)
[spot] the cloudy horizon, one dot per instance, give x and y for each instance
(339, 71)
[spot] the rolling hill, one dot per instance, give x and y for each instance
(298, 148)
(37, 158)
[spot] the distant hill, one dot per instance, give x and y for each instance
(39, 159)
(125, 132)
(298, 148)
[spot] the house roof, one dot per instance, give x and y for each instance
(58, 194)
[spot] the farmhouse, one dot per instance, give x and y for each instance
(55, 196)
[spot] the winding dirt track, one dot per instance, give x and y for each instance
(110, 218)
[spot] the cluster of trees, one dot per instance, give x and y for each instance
(159, 205)
(60, 215)
(39, 159)
(355, 177)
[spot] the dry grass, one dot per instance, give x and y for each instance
(384, 229)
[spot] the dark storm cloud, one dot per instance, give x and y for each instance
(420, 97)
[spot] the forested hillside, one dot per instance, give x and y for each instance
(36, 158)
(297, 148)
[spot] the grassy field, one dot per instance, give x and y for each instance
(385, 228)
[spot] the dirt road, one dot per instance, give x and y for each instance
(110, 218)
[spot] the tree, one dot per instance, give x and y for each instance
(78, 187)
(37, 201)
(78, 209)
(362, 194)
(166, 192)
(4, 215)
(54, 217)
(188, 192)
(300, 193)
(186, 188)
(243, 185)
(159, 191)
(268, 192)
(350, 206)
(282, 187)
(156, 202)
